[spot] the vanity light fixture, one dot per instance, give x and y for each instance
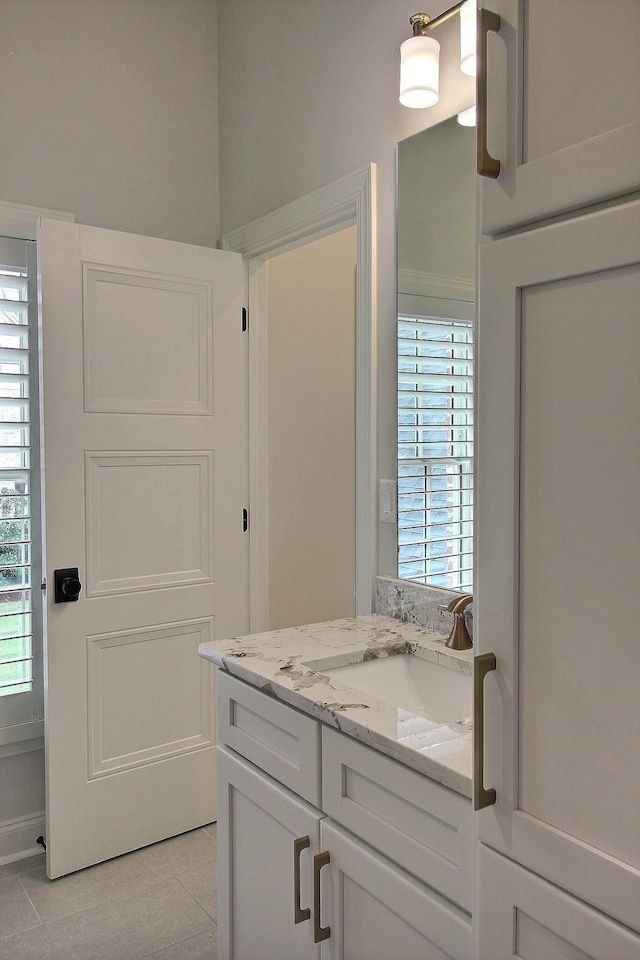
(420, 54)
(467, 117)
(468, 15)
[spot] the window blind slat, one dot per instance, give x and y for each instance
(18, 281)
(8, 329)
(16, 647)
(435, 451)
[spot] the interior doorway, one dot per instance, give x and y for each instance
(345, 204)
(310, 431)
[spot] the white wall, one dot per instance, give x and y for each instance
(308, 93)
(311, 432)
(108, 109)
(437, 204)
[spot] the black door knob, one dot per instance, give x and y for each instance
(67, 585)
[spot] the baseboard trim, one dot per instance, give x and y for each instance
(18, 837)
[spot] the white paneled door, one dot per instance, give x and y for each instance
(145, 480)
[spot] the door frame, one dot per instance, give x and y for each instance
(349, 201)
(18, 831)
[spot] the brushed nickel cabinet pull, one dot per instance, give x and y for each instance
(319, 932)
(482, 665)
(299, 914)
(487, 165)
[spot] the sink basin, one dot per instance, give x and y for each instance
(417, 685)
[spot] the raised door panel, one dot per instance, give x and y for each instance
(376, 911)
(563, 93)
(258, 826)
(559, 550)
(171, 334)
(149, 544)
(522, 917)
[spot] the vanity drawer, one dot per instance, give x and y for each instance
(277, 738)
(413, 820)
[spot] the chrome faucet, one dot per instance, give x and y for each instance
(459, 638)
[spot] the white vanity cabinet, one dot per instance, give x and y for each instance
(563, 94)
(282, 858)
(557, 521)
(264, 830)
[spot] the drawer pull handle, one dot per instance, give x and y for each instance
(319, 932)
(299, 914)
(487, 165)
(482, 665)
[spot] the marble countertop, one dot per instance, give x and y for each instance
(281, 662)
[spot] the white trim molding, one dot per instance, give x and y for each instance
(17, 837)
(418, 283)
(344, 203)
(18, 220)
(18, 834)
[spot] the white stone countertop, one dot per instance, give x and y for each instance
(281, 662)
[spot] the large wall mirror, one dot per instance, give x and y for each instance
(436, 209)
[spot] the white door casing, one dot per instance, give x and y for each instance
(145, 481)
(343, 203)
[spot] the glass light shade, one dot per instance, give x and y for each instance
(467, 118)
(468, 38)
(419, 72)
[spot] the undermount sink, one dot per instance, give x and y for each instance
(420, 686)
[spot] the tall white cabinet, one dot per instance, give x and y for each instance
(558, 523)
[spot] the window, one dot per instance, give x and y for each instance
(19, 656)
(435, 451)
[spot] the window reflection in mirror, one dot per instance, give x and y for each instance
(436, 294)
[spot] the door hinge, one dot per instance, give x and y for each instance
(245, 320)
(245, 519)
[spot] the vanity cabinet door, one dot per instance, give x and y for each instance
(376, 911)
(259, 824)
(558, 553)
(519, 915)
(563, 119)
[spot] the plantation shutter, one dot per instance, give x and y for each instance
(18, 409)
(435, 451)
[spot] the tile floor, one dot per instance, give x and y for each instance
(158, 903)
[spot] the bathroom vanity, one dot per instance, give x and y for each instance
(345, 821)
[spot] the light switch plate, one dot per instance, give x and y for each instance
(388, 504)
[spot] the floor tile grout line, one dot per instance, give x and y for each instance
(212, 927)
(26, 893)
(111, 899)
(190, 936)
(213, 920)
(45, 926)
